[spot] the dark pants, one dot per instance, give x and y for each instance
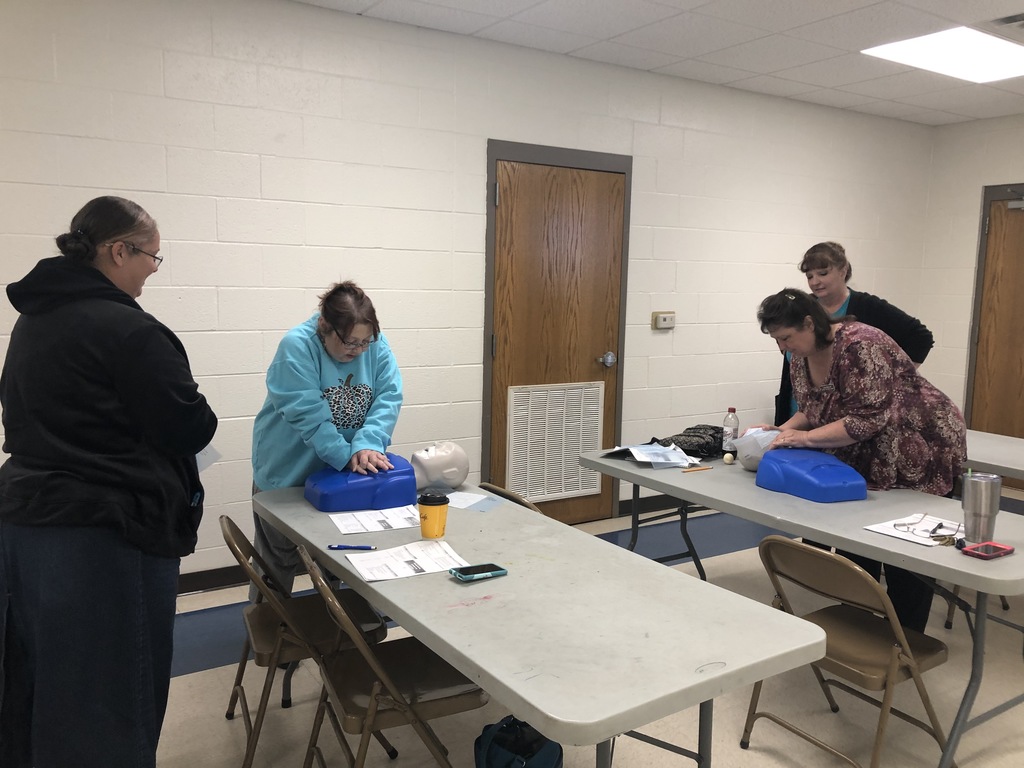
(910, 596)
(86, 634)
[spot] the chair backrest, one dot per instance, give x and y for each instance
(826, 574)
(247, 556)
(347, 625)
(512, 496)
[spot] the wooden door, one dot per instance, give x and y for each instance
(997, 394)
(556, 299)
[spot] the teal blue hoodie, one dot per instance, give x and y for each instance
(320, 412)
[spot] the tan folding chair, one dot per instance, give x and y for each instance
(399, 682)
(866, 645)
(282, 630)
(512, 496)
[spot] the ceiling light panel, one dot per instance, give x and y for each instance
(960, 52)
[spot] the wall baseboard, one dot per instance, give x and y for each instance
(215, 578)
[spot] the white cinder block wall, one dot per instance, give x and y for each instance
(282, 147)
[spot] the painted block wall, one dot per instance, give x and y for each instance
(282, 147)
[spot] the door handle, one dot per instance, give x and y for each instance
(608, 359)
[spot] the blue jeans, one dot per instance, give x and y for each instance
(86, 634)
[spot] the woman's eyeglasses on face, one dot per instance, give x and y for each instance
(153, 256)
(350, 344)
(134, 248)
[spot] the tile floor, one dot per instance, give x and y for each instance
(197, 734)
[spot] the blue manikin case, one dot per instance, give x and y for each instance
(332, 490)
(811, 475)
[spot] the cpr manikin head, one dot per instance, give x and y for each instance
(441, 465)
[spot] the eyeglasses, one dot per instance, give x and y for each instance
(355, 344)
(134, 247)
(945, 539)
(347, 344)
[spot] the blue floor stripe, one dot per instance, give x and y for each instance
(712, 534)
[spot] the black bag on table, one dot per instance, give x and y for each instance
(703, 441)
(511, 743)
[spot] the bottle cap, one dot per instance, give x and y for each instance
(732, 410)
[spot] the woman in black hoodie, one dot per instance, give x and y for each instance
(99, 498)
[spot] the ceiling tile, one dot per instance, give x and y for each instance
(779, 15)
(976, 101)
(830, 97)
(689, 35)
(969, 11)
(914, 81)
(505, 8)
(774, 86)
(842, 70)
(907, 112)
(625, 56)
(430, 16)
(596, 18)
(707, 73)
(770, 54)
(529, 36)
(880, 23)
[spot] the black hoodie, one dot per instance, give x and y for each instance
(102, 416)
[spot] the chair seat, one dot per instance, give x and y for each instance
(430, 684)
(859, 646)
(312, 619)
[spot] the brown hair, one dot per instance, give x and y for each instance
(825, 255)
(104, 220)
(345, 306)
(788, 309)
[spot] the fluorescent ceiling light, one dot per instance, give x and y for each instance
(961, 52)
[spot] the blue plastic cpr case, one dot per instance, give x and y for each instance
(332, 490)
(811, 475)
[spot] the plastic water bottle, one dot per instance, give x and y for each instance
(730, 431)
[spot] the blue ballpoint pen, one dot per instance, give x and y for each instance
(351, 546)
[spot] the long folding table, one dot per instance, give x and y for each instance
(731, 489)
(1000, 454)
(583, 639)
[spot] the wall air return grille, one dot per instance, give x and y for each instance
(549, 426)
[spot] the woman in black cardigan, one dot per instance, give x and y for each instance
(828, 271)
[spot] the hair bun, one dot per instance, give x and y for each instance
(77, 246)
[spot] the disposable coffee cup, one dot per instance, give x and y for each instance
(433, 515)
(981, 492)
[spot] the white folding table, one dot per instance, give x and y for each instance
(731, 489)
(999, 454)
(582, 639)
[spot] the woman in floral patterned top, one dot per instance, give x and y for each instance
(862, 399)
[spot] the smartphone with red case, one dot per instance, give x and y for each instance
(987, 550)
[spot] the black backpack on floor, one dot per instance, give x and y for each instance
(511, 743)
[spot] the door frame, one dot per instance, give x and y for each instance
(991, 194)
(537, 154)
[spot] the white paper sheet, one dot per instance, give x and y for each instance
(207, 457)
(464, 499)
(413, 559)
(917, 529)
(377, 519)
(658, 456)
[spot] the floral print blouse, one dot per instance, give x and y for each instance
(908, 433)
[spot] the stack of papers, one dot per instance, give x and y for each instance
(659, 456)
(371, 520)
(410, 560)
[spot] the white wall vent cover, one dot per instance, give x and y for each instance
(549, 426)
